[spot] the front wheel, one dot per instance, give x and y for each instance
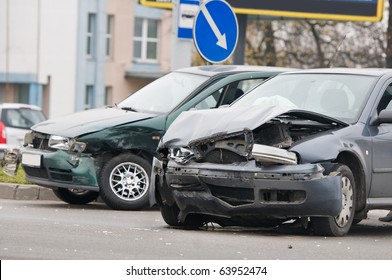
(339, 225)
(170, 216)
(124, 182)
(75, 196)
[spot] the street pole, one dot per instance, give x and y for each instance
(239, 52)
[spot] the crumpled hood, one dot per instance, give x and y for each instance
(89, 121)
(191, 126)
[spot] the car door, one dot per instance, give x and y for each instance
(382, 152)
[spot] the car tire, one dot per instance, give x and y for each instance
(341, 224)
(356, 221)
(75, 196)
(170, 216)
(124, 182)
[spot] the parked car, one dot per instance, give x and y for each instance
(313, 146)
(16, 119)
(109, 151)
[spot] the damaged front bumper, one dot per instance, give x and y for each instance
(245, 189)
(55, 169)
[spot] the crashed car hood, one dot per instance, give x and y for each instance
(89, 121)
(201, 124)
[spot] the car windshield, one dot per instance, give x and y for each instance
(339, 96)
(22, 117)
(163, 94)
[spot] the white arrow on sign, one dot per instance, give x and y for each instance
(221, 37)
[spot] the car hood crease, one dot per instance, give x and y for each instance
(89, 121)
(209, 123)
(205, 123)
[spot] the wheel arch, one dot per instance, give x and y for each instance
(142, 153)
(138, 152)
(354, 163)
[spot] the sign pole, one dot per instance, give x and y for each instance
(239, 52)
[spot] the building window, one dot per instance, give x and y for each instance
(109, 36)
(2, 93)
(145, 46)
(108, 95)
(89, 98)
(23, 93)
(91, 26)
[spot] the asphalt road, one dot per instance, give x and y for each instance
(52, 230)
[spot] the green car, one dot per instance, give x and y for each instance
(109, 151)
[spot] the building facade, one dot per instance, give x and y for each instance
(72, 55)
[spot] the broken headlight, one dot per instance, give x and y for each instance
(64, 143)
(181, 155)
(59, 142)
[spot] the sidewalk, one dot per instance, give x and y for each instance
(25, 192)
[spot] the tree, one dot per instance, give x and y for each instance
(315, 43)
(260, 43)
(388, 51)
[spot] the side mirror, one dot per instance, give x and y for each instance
(385, 116)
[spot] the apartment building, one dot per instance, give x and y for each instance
(72, 55)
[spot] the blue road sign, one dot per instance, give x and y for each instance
(215, 31)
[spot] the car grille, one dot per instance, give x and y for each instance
(243, 196)
(233, 196)
(38, 141)
(42, 144)
(287, 196)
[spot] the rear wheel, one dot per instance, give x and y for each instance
(339, 225)
(75, 196)
(124, 182)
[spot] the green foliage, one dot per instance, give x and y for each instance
(19, 178)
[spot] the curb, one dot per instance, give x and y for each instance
(25, 192)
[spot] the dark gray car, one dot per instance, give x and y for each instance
(313, 145)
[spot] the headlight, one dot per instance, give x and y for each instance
(59, 142)
(181, 155)
(64, 143)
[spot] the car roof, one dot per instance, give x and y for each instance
(354, 71)
(211, 70)
(18, 106)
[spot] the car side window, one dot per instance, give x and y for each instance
(247, 85)
(211, 101)
(228, 94)
(237, 89)
(16, 119)
(385, 101)
(231, 95)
